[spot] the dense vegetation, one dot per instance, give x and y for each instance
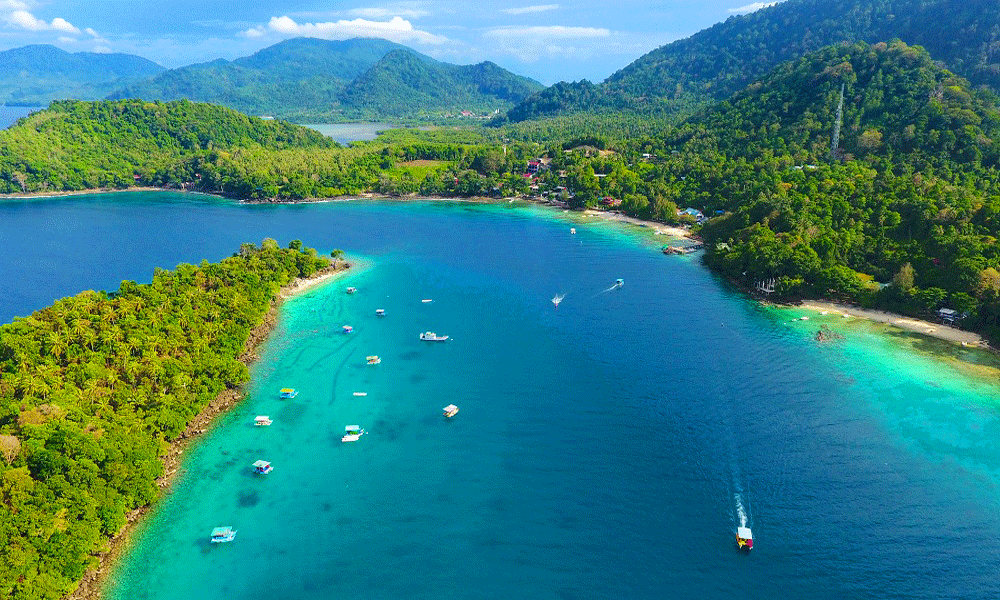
(313, 80)
(94, 387)
(720, 60)
(36, 75)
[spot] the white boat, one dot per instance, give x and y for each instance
(557, 299)
(426, 300)
(262, 467)
(348, 329)
(262, 421)
(352, 433)
(360, 393)
(351, 290)
(619, 283)
(450, 411)
(572, 229)
(223, 534)
(744, 538)
(430, 336)
(379, 312)
(373, 360)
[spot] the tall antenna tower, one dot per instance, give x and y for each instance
(836, 126)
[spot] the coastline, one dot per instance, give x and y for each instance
(936, 330)
(91, 585)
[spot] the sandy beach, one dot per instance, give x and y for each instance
(966, 338)
(660, 228)
(91, 584)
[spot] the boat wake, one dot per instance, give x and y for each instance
(741, 513)
(557, 299)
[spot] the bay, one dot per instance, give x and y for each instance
(10, 114)
(606, 448)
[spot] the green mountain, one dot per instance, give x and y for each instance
(35, 75)
(307, 78)
(405, 83)
(720, 60)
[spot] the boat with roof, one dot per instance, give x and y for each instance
(379, 312)
(744, 538)
(373, 360)
(430, 336)
(450, 411)
(351, 290)
(262, 421)
(352, 433)
(348, 329)
(221, 535)
(262, 467)
(288, 393)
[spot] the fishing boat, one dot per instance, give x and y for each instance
(619, 282)
(262, 467)
(262, 421)
(348, 329)
(287, 393)
(744, 538)
(450, 411)
(223, 534)
(373, 360)
(379, 312)
(351, 290)
(430, 336)
(352, 433)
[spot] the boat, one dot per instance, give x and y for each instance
(426, 300)
(619, 282)
(262, 467)
(373, 360)
(360, 393)
(430, 336)
(450, 411)
(351, 290)
(572, 229)
(352, 433)
(223, 534)
(744, 538)
(379, 312)
(262, 421)
(557, 299)
(287, 393)
(348, 329)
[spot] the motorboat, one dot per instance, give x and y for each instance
(373, 360)
(379, 312)
(572, 229)
(352, 433)
(348, 329)
(619, 282)
(262, 467)
(430, 336)
(744, 538)
(427, 300)
(351, 290)
(288, 393)
(262, 421)
(221, 535)
(450, 411)
(360, 393)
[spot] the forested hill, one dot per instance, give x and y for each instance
(37, 74)
(311, 79)
(82, 145)
(404, 83)
(720, 60)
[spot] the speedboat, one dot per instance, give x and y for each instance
(223, 534)
(262, 467)
(373, 360)
(351, 290)
(287, 393)
(379, 312)
(450, 411)
(348, 329)
(744, 538)
(352, 433)
(262, 421)
(430, 336)
(427, 300)
(619, 282)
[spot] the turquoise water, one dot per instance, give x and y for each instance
(604, 449)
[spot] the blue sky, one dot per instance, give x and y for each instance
(548, 40)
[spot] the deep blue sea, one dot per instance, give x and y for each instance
(606, 448)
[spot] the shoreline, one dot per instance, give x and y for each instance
(919, 326)
(91, 585)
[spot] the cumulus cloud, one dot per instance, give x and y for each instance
(396, 29)
(749, 8)
(530, 9)
(531, 43)
(16, 13)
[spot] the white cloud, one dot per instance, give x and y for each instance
(530, 9)
(27, 21)
(749, 8)
(531, 43)
(395, 10)
(547, 32)
(13, 5)
(67, 40)
(396, 29)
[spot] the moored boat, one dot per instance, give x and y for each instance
(262, 421)
(262, 467)
(348, 329)
(430, 336)
(223, 534)
(379, 312)
(352, 433)
(351, 290)
(373, 360)
(450, 411)
(287, 393)
(744, 538)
